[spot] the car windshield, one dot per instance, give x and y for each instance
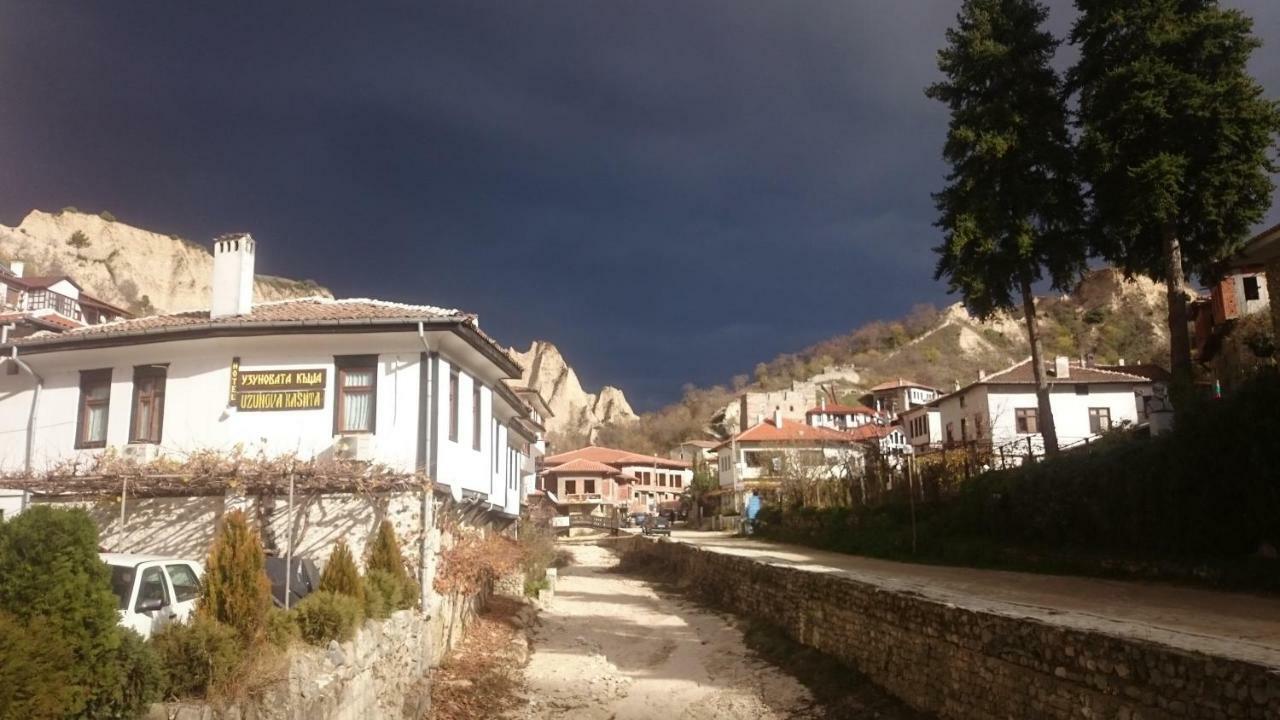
(122, 584)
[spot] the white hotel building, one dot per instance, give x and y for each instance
(416, 388)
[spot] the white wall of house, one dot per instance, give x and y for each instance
(923, 426)
(197, 416)
(833, 456)
(994, 409)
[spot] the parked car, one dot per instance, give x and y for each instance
(305, 580)
(153, 591)
(658, 525)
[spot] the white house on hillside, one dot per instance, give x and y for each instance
(923, 427)
(412, 387)
(760, 457)
(1000, 409)
(839, 417)
(899, 395)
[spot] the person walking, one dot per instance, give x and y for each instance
(753, 509)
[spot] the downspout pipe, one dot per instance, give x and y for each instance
(426, 442)
(35, 409)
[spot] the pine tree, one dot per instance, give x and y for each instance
(384, 552)
(1011, 205)
(1175, 137)
(385, 555)
(340, 574)
(236, 590)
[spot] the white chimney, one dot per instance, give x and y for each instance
(1062, 367)
(232, 275)
(822, 402)
(777, 417)
(1121, 362)
(982, 374)
(17, 267)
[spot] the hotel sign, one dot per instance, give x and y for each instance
(258, 390)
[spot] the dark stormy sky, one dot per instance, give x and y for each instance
(670, 191)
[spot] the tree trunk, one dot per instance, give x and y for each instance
(1179, 337)
(1044, 412)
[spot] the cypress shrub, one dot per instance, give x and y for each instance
(385, 555)
(340, 574)
(197, 655)
(384, 593)
(51, 577)
(236, 590)
(325, 615)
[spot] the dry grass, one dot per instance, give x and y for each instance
(482, 678)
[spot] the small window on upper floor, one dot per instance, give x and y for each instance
(146, 421)
(95, 401)
(453, 404)
(355, 411)
(475, 414)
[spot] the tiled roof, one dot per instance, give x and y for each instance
(841, 410)
(1146, 370)
(899, 383)
(790, 431)
(1023, 373)
(701, 443)
(612, 456)
(871, 431)
(580, 465)
(315, 309)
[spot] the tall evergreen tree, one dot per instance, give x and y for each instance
(1011, 204)
(1175, 140)
(235, 589)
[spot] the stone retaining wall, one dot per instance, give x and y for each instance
(967, 665)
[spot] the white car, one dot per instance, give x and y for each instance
(153, 591)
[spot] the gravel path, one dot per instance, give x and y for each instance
(610, 648)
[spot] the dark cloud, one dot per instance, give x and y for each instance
(671, 191)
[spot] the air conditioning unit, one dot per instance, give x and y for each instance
(354, 447)
(141, 452)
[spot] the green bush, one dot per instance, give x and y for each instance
(51, 577)
(282, 628)
(375, 601)
(35, 673)
(106, 215)
(340, 574)
(323, 616)
(383, 592)
(143, 680)
(197, 656)
(236, 590)
(384, 554)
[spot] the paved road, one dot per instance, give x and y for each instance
(610, 648)
(1241, 626)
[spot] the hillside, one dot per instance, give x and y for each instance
(1106, 315)
(578, 414)
(139, 270)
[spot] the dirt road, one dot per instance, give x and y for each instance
(610, 648)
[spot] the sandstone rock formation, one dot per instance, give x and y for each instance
(136, 269)
(576, 410)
